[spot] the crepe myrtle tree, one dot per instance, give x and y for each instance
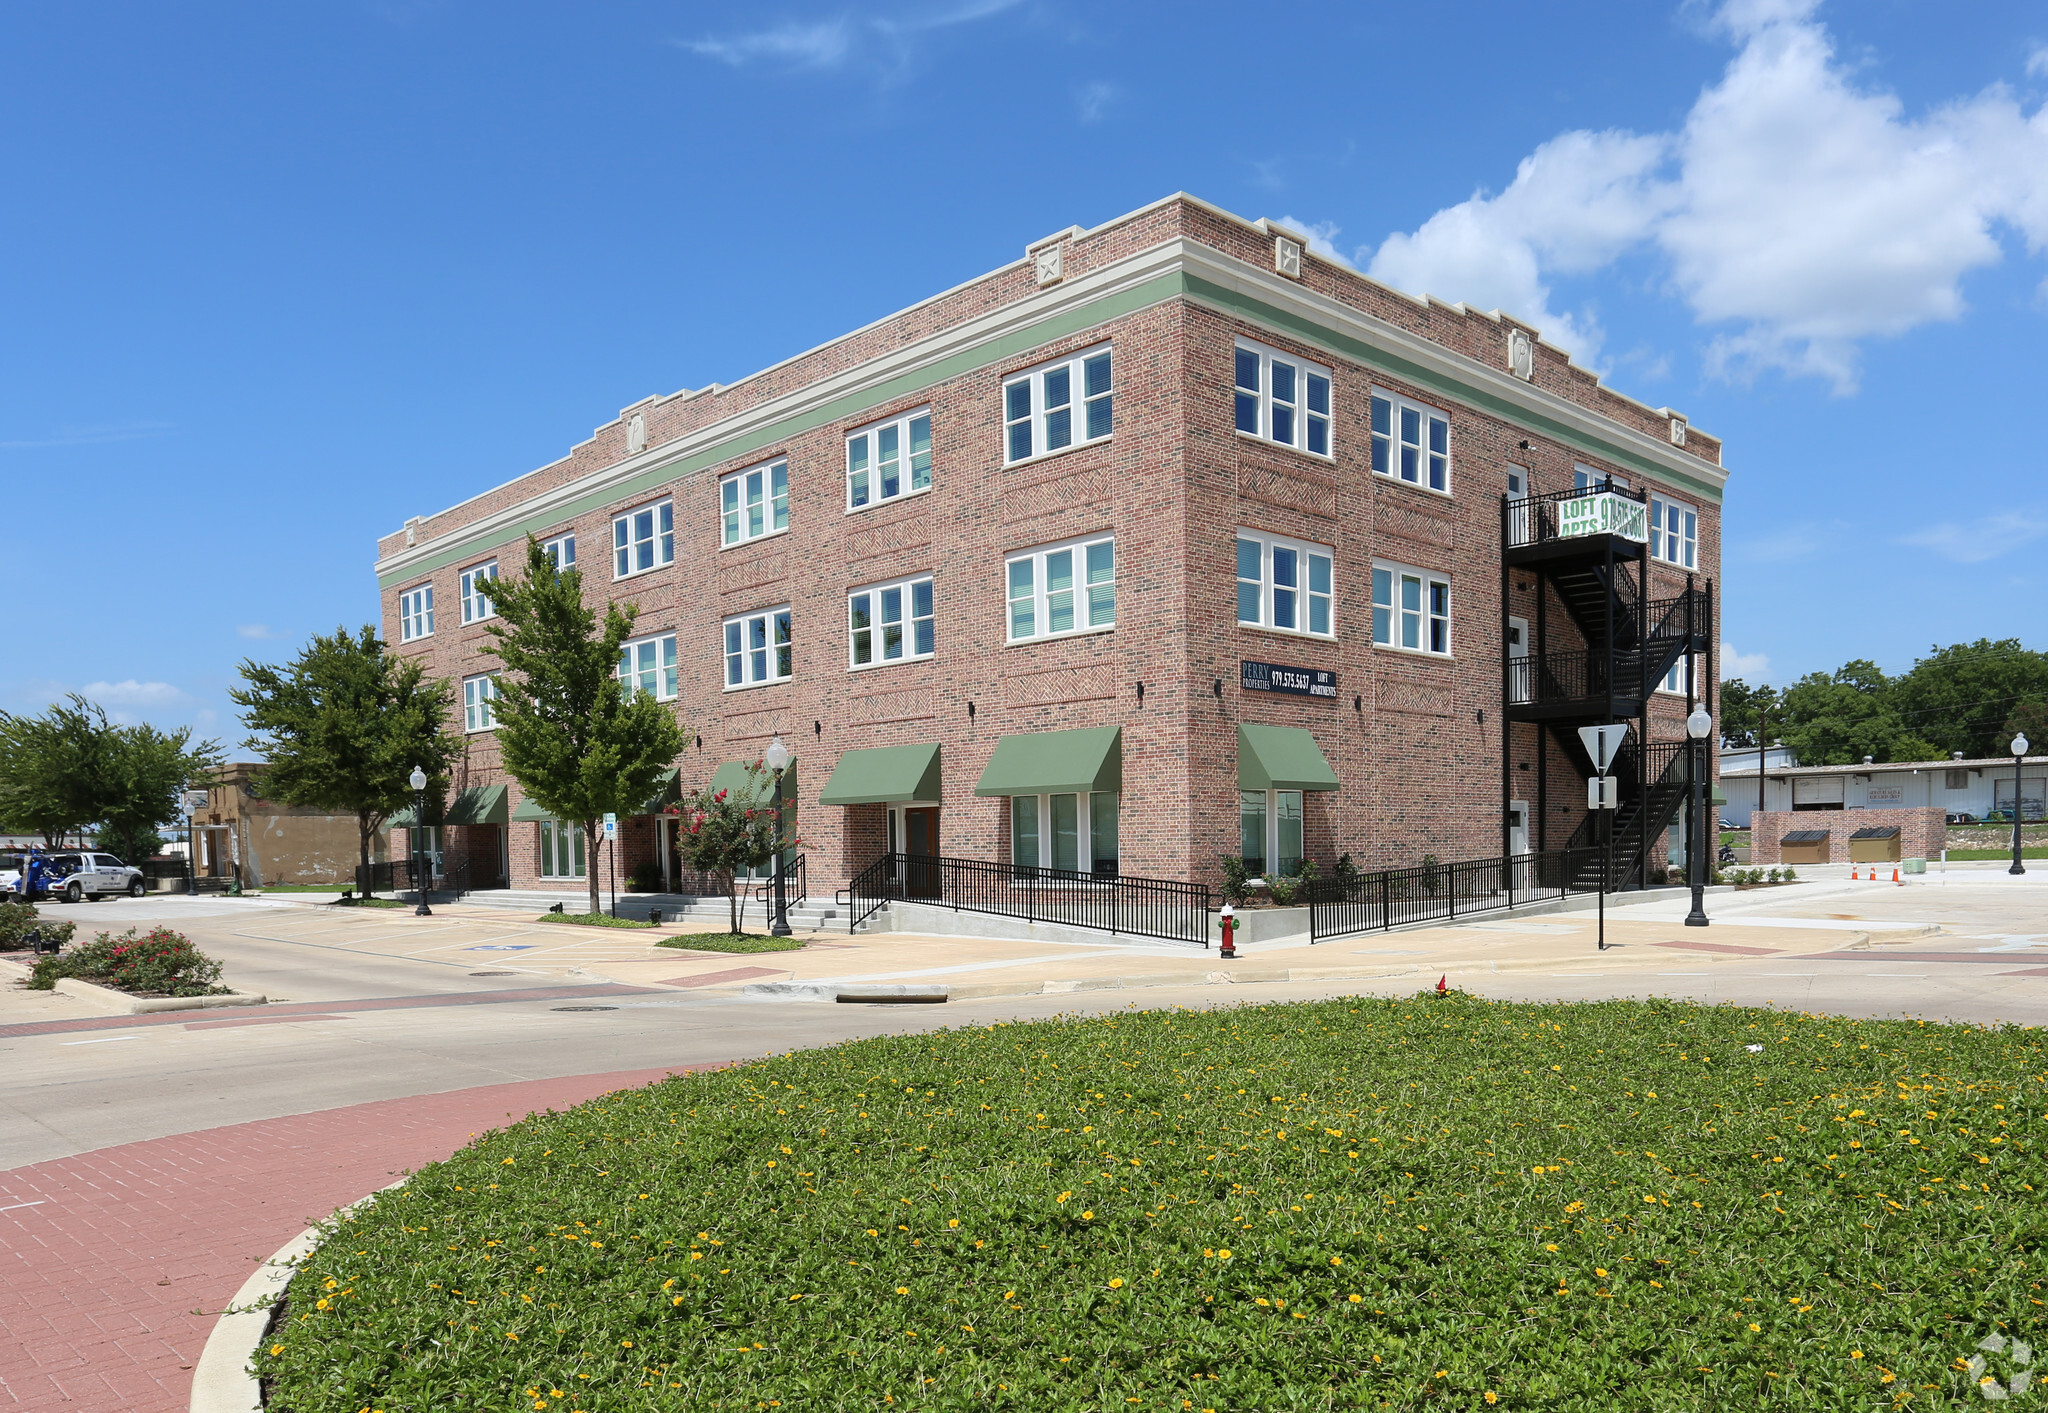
(578, 742)
(725, 831)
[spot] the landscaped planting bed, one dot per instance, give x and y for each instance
(732, 942)
(1433, 1203)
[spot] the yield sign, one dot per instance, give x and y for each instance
(1602, 742)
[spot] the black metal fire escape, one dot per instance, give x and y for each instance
(1591, 557)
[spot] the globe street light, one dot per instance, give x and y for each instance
(418, 781)
(1697, 726)
(776, 758)
(2019, 753)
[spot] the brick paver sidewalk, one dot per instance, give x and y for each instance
(114, 1263)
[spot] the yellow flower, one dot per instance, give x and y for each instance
(954, 1222)
(1117, 1284)
(1855, 1354)
(1599, 1270)
(625, 1344)
(510, 1335)
(1063, 1197)
(1357, 1299)
(1223, 1253)
(1087, 1216)
(1336, 1260)
(903, 1290)
(276, 1349)
(1755, 1328)
(1492, 1397)
(1550, 1246)
(1263, 1301)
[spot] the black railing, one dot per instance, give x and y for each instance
(1397, 897)
(402, 875)
(1534, 519)
(795, 892)
(1139, 907)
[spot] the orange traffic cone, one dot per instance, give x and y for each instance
(1855, 873)
(1895, 875)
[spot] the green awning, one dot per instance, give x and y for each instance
(734, 776)
(666, 792)
(401, 820)
(1716, 796)
(1281, 758)
(530, 812)
(884, 775)
(480, 804)
(1056, 762)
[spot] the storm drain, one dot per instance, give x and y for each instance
(493, 973)
(583, 1008)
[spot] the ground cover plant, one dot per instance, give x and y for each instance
(1420, 1204)
(370, 903)
(159, 963)
(594, 920)
(732, 942)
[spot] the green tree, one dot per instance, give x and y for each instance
(1959, 697)
(577, 741)
(724, 831)
(342, 726)
(2029, 719)
(71, 770)
(1838, 718)
(1742, 708)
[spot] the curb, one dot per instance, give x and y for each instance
(110, 1002)
(221, 1380)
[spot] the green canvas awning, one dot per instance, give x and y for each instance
(530, 812)
(1281, 758)
(884, 775)
(734, 776)
(1056, 762)
(481, 804)
(401, 820)
(666, 792)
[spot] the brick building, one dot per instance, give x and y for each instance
(1300, 565)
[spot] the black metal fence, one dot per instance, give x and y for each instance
(795, 890)
(1139, 907)
(1396, 897)
(402, 876)
(1533, 519)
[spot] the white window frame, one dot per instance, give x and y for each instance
(1592, 478)
(1084, 830)
(1304, 592)
(1275, 418)
(1431, 612)
(416, 613)
(1082, 600)
(1024, 407)
(1676, 542)
(1271, 829)
(660, 542)
(649, 665)
(561, 551)
(1391, 449)
(1674, 679)
(561, 841)
(476, 604)
(748, 496)
(478, 693)
(765, 649)
(864, 460)
(873, 599)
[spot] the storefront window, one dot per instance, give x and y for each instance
(1024, 831)
(1073, 832)
(1102, 822)
(1252, 815)
(561, 850)
(1287, 829)
(1271, 827)
(1066, 833)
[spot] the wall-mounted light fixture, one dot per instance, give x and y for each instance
(1217, 688)
(1357, 701)
(817, 728)
(1141, 694)
(700, 743)
(970, 711)
(1482, 716)
(1524, 446)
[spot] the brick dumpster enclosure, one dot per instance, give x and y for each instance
(1923, 833)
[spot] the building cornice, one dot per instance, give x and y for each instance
(1175, 268)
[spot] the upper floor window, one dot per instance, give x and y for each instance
(477, 695)
(889, 460)
(1411, 609)
(1677, 678)
(1674, 532)
(758, 649)
(416, 613)
(649, 665)
(643, 539)
(1411, 442)
(1060, 405)
(1586, 478)
(1283, 399)
(1065, 588)
(561, 552)
(754, 503)
(1284, 584)
(474, 604)
(890, 622)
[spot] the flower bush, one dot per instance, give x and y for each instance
(1440, 1203)
(159, 963)
(17, 920)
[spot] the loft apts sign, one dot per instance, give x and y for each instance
(1292, 681)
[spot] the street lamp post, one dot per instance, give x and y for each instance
(776, 758)
(418, 781)
(1697, 726)
(2019, 754)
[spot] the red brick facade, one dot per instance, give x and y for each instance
(1416, 741)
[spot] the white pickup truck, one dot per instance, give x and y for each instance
(71, 875)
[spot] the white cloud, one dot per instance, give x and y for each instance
(1092, 100)
(2037, 63)
(1795, 212)
(1980, 540)
(832, 44)
(131, 693)
(256, 630)
(1753, 668)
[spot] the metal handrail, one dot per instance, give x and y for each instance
(1531, 520)
(1397, 897)
(1115, 903)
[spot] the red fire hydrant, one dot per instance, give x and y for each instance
(1229, 948)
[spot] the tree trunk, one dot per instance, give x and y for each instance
(732, 900)
(590, 834)
(364, 829)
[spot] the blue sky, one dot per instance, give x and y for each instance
(278, 277)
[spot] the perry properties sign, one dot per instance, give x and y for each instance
(1294, 681)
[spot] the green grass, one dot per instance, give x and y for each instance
(1351, 1204)
(732, 942)
(370, 903)
(305, 887)
(2027, 851)
(593, 920)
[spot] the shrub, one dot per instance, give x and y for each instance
(1791, 876)
(1347, 873)
(1236, 882)
(161, 963)
(1772, 876)
(1283, 889)
(15, 921)
(646, 878)
(594, 920)
(731, 942)
(1432, 874)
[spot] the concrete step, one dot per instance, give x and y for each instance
(675, 906)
